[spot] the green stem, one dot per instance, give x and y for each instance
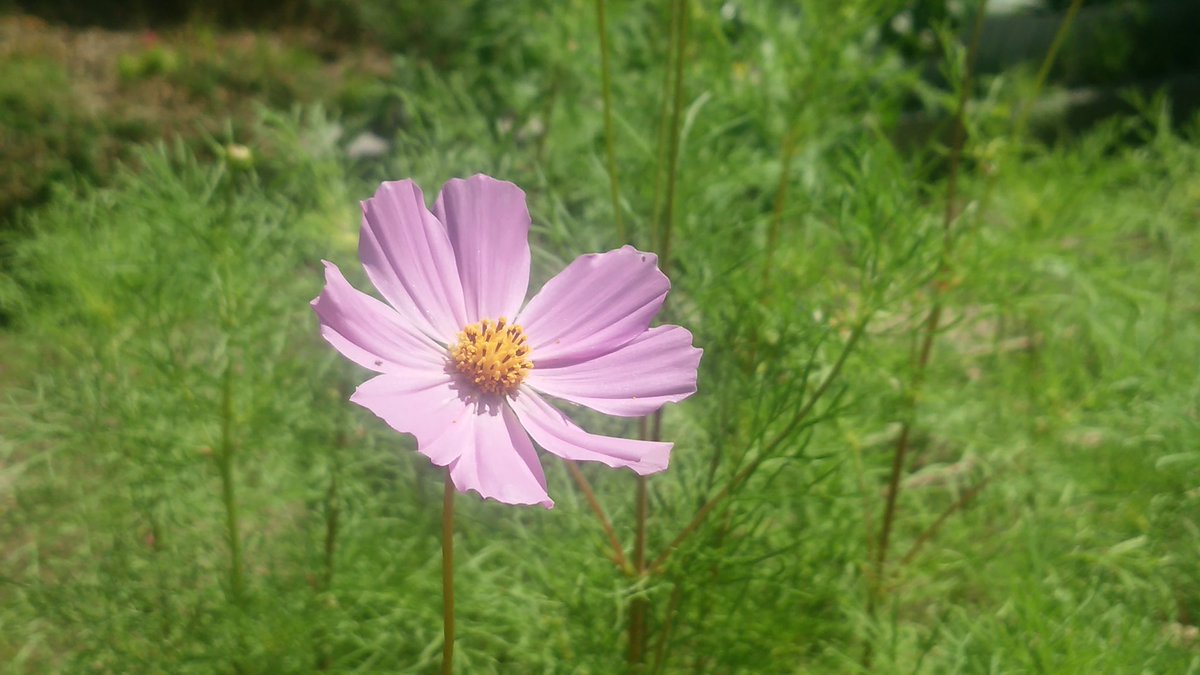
(1021, 124)
(664, 246)
(664, 636)
(228, 488)
(932, 322)
(590, 495)
(448, 577)
(1048, 62)
(664, 119)
(661, 240)
(332, 515)
(785, 173)
(931, 531)
(773, 233)
(164, 601)
(767, 451)
(609, 135)
(638, 608)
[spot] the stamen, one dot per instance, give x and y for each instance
(493, 356)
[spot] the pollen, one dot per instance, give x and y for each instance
(493, 356)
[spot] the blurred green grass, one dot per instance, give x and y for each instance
(1065, 374)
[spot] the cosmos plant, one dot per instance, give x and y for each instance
(464, 363)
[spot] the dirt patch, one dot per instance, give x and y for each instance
(77, 99)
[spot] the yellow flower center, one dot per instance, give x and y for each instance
(493, 356)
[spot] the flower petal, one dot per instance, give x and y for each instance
(484, 446)
(499, 462)
(488, 224)
(426, 404)
(657, 367)
(560, 436)
(597, 304)
(408, 257)
(368, 332)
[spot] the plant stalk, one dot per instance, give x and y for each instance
(741, 476)
(448, 576)
(664, 119)
(638, 607)
(586, 488)
(664, 246)
(609, 134)
(228, 488)
(332, 515)
(661, 240)
(931, 531)
(1060, 37)
(664, 636)
(933, 320)
(773, 232)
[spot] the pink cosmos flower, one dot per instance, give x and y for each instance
(463, 365)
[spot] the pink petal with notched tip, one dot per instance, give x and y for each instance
(657, 367)
(370, 333)
(408, 257)
(597, 304)
(488, 224)
(558, 435)
(485, 448)
(499, 462)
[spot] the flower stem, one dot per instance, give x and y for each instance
(638, 607)
(664, 246)
(164, 601)
(332, 513)
(931, 324)
(661, 240)
(1048, 62)
(664, 119)
(931, 531)
(605, 523)
(785, 175)
(228, 489)
(325, 586)
(448, 577)
(609, 142)
(664, 635)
